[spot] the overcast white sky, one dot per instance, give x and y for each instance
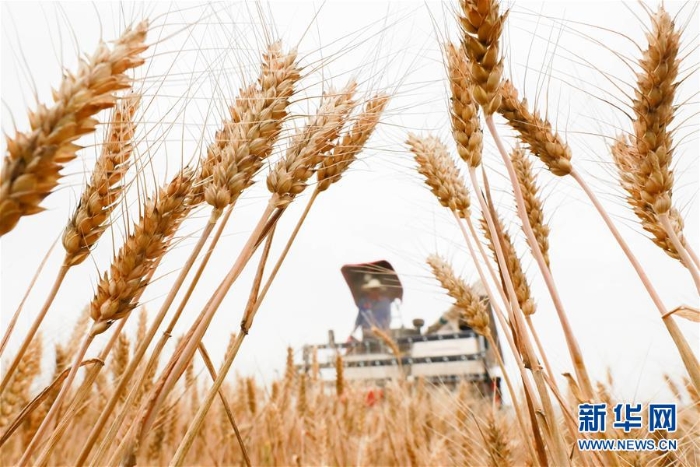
(566, 56)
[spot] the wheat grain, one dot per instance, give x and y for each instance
(302, 403)
(345, 153)
(155, 446)
(339, 379)
(497, 443)
(388, 341)
(626, 158)
(315, 367)
(535, 132)
(142, 325)
(531, 196)
(147, 243)
(290, 372)
(104, 189)
(482, 25)
(290, 175)
(192, 388)
(120, 358)
(466, 129)
(644, 161)
(515, 269)
(33, 160)
(16, 395)
(472, 307)
(172, 432)
(441, 173)
(402, 427)
(247, 139)
(653, 108)
(251, 395)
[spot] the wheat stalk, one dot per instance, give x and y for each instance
(222, 397)
(473, 309)
(535, 132)
(247, 138)
(250, 395)
(128, 274)
(389, 342)
(482, 25)
(549, 147)
(32, 332)
(31, 417)
(653, 109)
(93, 377)
(465, 122)
(519, 280)
(651, 176)
(275, 432)
(489, 37)
(551, 430)
(556, 155)
(61, 360)
(13, 321)
(33, 160)
(446, 183)
(120, 360)
(507, 328)
(198, 418)
(302, 403)
(179, 362)
(626, 158)
(523, 295)
(339, 377)
(96, 203)
(497, 443)
(330, 170)
(287, 180)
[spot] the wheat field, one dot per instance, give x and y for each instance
(196, 152)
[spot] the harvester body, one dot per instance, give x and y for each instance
(444, 355)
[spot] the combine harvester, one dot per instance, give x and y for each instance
(446, 353)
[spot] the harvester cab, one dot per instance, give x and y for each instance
(447, 352)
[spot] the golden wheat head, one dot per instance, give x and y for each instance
(33, 160)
